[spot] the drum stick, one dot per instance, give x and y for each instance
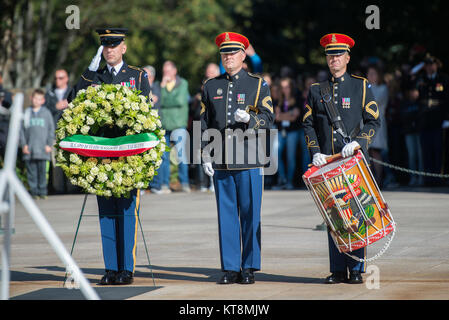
(334, 157)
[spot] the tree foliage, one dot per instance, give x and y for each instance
(35, 40)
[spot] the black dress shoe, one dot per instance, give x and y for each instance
(230, 277)
(247, 276)
(336, 277)
(355, 277)
(124, 277)
(108, 278)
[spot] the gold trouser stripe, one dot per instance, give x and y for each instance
(136, 210)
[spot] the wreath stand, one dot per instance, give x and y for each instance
(65, 283)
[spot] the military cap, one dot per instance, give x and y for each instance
(430, 59)
(112, 36)
(336, 43)
(229, 42)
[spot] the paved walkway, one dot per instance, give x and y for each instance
(181, 234)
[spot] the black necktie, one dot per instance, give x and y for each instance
(113, 72)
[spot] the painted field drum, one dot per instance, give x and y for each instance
(350, 202)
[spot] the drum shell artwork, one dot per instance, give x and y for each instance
(350, 202)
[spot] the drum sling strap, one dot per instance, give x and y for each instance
(334, 115)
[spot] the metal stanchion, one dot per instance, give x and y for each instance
(9, 181)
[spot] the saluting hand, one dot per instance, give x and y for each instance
(95, 63)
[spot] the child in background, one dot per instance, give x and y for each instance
(36, 138)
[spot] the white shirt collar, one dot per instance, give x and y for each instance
(117, 67)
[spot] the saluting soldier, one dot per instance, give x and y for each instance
(354, 104)
(433, 121)
(118, 216)
(238, 105)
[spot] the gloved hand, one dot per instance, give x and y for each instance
(95, 63)
(319, 159)
(241, 116)
(207, 167)
(348, 150)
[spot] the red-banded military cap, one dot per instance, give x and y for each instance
(229, 42)
(336, 43)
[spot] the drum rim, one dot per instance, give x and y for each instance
(334, 172)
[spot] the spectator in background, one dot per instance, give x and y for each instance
(305, 156)
(378, 149)
(56, 102)
(287, 112)
(155, 87)
(204, 182)
(56, 97)
(36, 138)
(434, 100)
(253, 57)
(410, 113)
(5, 105)
(155, 94)
(174, 112)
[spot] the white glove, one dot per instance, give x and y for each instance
(348, 150)
(241, 116)
(319, 159)
(95, 63)
(445, 124)
(207, 167)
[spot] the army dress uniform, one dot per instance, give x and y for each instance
(355, 103)
(118, 216)
(237, 158)
(434, 103)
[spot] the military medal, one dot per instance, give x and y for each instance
(346, 103)
(241, 98)
(132, 82)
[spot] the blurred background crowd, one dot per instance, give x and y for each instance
(404, 62)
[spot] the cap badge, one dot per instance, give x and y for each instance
(334, 39)
(227, 37)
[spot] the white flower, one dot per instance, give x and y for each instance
(85, 129)
(90, 121)
(102, 177)
(94, 171)
(90, 178)
(140, 185)
(101, 94)
(74, 158)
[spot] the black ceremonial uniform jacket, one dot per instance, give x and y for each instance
(129, 76)
(358, 109)
(232, 144)
(434, 100)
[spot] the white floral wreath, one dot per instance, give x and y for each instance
(109, 166)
